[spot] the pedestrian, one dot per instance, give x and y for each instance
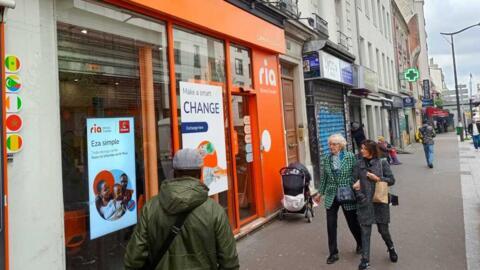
(337, 177)
(388, 151)
(474, 130)
(368, 171)
(427, 133)
(358, 134)
(205, 241)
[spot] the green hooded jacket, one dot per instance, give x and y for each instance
(205, 242)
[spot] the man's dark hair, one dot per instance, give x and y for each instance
(372, 147)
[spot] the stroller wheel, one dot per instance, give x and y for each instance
(281, 215)
(308, 215)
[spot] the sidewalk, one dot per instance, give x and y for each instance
(470, 175)
(427, 227)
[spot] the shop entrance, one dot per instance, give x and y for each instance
(244, 143)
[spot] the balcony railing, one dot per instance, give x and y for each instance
(288, 6)
(320, 24)
(344, 40)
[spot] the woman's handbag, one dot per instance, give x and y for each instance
(345, 195)
(381, 193)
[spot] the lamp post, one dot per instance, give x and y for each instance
(459, 114)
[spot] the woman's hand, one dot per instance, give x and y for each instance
(356, 186)
(317, 199)
(373, 177)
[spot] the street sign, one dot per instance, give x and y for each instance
(411, 74)
(13, 103)
(426, 89)
(427, 102)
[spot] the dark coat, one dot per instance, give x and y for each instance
(470, 128)
(369, 212)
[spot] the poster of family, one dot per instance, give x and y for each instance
(203, 129)
(111, 174)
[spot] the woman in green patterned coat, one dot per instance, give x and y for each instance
(337, 172)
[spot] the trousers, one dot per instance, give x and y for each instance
(428, 148)
(366, 234)
(352, 221)
(476, 141)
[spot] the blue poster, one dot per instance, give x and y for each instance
(111, 174)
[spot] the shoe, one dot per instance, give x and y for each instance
(364, 264)
(332, 258)
(393, 255)
(430, 166)
(358, 250)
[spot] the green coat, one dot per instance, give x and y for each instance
(329, 183)
(205, 242)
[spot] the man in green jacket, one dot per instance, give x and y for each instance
(206, 240)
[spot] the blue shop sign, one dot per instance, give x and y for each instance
(408, 102)
(427, 102)
(311, 65)
(322, 65)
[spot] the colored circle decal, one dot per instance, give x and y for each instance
(266, 140)
(14, 143)
(13, 103)
(13, 83)
(14, 123)
(12, 64)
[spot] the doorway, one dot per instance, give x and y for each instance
(290, 124)
(244, 144)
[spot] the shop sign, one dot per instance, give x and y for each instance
(111, 174)
(427, 102)
(397, 102)
(13, 103)
(311, 65)
(13, 122)
(411, 74)
(202, 105)
(387, 104)
(13, 83)
(366, 79)
(408, 102)
(12, 63)
(426, 89)
(14, 143)
(322, 65)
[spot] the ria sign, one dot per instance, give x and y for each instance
(411, 74)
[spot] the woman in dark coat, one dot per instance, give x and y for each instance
(368, 171)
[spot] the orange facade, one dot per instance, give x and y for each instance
(265, 41)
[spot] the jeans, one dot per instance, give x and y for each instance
(367, 232)
(428, 148)
(352, 221)
(476, 141)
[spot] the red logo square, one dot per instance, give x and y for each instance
(124, 126)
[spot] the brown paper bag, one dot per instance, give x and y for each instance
(381, 193)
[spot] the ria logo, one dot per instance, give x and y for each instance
(95, 129)
(267, 74)
(124, 126)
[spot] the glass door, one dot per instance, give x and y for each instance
(244, 158)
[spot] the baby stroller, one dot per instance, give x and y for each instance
(296, 193)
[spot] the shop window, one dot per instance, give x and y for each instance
(107, 135)
(240, 60)
(178, 56)
(203, 65)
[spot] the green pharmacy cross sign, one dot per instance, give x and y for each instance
(411, 74)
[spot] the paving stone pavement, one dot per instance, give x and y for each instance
(428, 227)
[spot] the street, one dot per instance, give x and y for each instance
(427, 227)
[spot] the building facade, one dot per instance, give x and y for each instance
(111, 89)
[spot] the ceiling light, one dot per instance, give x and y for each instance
(75, 80)
(84, 31)
(117, 83)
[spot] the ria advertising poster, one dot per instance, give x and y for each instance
(111, 174)
(203, 129)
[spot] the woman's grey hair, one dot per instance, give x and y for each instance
(338, 139)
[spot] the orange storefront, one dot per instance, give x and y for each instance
(133, 64)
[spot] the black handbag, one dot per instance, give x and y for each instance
(345, 195)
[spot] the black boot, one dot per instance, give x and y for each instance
(364, 264)
(393, 254)
(332, 258)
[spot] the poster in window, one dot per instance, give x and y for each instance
(111, 174)
(203, 129)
